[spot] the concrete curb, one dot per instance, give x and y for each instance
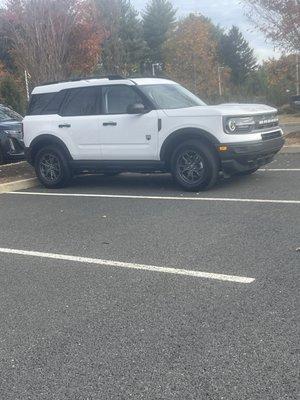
(290, 150)
(18, 185)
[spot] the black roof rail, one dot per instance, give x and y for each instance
(85, 78)
(150, 77)
(115, 77)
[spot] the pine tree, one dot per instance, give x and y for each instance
(124, 48)
(10, 94)
(158, 22)
(236, 53)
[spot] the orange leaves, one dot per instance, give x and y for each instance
(191, 55)
(85, 40)
(53, 39)
(281, 72)
(3, 71)
(279, 20)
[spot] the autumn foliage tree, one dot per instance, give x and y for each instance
(52, 39)
(191, 56)
(279, 20)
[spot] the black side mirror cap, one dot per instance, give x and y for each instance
(137, 108)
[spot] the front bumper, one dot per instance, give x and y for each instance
(12, 147)
(245, 156)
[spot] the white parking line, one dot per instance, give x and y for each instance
(278, 169)
(109, 263)
(125, 196)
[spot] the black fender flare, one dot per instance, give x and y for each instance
(45, 139)
(185, 134)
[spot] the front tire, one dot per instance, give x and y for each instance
(195, 166)
(52, 168)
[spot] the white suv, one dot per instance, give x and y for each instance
(114, 125)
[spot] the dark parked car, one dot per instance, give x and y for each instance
(11, 144)
(295, 102)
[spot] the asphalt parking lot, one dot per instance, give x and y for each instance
(128, 288)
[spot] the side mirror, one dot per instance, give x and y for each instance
(137, 108)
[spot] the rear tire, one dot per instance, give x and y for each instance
(195, 166)
(52, 168)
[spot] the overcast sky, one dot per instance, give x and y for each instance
(226, 13)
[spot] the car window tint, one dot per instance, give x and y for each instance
(38, 102)
(118, 98)
(48, 103)
(82, 101)
(54, 104)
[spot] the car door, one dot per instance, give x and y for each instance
(79, 124)
(127, 136)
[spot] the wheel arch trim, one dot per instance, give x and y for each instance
(48, 139)
(185, 133)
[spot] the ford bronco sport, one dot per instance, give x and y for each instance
(113, 125)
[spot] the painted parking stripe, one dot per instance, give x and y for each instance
(110, 263)
(279, 169)
(178, 198)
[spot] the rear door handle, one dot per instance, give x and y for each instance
(109, 123)
(64, 126)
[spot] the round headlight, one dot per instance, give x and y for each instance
(231, 125)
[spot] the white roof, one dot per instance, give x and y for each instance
(56, 87)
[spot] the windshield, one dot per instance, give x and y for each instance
(169, 96)
(6, 114)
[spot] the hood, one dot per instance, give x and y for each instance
(10, 125)
(230, 109)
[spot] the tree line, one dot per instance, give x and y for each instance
(60, 39)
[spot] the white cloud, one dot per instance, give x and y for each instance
(226, 13)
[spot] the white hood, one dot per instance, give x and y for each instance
(222, 109)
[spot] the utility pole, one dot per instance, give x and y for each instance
(154, 66)
(297, 75)
(220, 80)
(26, 83)
(297, 61)
(194, 73)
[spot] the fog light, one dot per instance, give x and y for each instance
(223, 148)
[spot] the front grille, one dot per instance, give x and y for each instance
(266, 121)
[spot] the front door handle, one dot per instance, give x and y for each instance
(64, 126)
(109, 123)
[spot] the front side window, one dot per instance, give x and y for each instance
(170, 96)
(118, 98)
(82, 101)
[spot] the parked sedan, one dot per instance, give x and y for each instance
(11, 144)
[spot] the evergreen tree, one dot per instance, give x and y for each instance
(10, 94)
(158, 22)
(124, 48)
(236, 53)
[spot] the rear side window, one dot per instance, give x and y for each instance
(82, 101)
(46, 103)
(38, 102)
